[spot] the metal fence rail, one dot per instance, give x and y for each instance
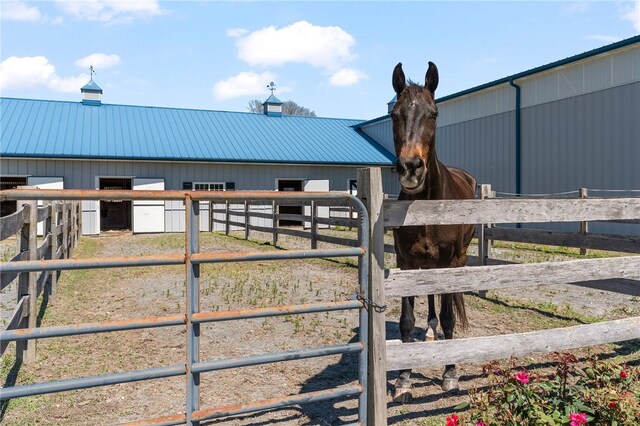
(191, 320)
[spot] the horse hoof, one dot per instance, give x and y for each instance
(430, 336)
(450, 384)
(402, 395)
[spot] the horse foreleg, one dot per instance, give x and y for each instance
(402, 391)
(432, 320)
(448, 321)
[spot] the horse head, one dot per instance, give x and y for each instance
(414, 128)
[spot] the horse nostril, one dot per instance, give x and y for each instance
(400, 166)
(417, 163)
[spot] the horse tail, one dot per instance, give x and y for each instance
(461, 312)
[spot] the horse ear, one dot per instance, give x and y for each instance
(431, 79)
(398, 79)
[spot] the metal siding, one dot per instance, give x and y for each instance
(585, 141)
(625, 67)
(482, 147)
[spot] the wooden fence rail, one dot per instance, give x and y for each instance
(60, 228)
(396, 283)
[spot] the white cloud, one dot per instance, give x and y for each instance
(302, 42)
(32, 71)
(110, 11)
(243, 84)
(633, 15)
(98, 60)
(347, 77)
(236, 32)
(19, 11)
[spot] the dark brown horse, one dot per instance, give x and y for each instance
(423, 177)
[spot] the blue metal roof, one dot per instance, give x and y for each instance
(273, 100)
(55, 129)
(91, 86)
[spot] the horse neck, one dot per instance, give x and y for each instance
(437, 177)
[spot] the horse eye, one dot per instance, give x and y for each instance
(394, 115)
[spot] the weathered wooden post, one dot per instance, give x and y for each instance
(80, 219)
(246, 220)
(55, 244)
(370, 192)
(584, 225)
(65, 230)
(274, 207)
(27, 282)
(484, 244)
(226, 217)
(314, 225)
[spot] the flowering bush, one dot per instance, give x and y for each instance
(597, 393)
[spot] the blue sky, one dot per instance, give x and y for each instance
(333, 57)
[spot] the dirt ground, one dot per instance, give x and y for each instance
(95, 295)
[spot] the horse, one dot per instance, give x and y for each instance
(423, 177)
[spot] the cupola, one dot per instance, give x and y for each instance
(272, 106)
(91, 92)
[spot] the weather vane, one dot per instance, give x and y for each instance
(271, 86)
(92, 72)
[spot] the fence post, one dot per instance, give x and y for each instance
(192, 229)
(584, 225)
(80, 218)
(55, 244)
(246, 220)
(484, 244)
(314, 225)
(27, 282)
(274, 213)
(226, 217)
(370, 192)
(65, 230)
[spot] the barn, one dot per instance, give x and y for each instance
(94, 145)
(552, 129)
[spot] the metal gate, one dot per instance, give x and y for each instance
(192, 259)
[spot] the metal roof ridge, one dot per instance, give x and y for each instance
(181, 109)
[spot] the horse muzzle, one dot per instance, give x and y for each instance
(412, 173)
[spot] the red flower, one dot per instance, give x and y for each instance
(578, 419)
(612, 404)
(522, 377)
(623, 374)
(453, 420)
(481, 423)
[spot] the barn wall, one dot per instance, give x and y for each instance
(82, 175)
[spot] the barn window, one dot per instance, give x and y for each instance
(208, 186)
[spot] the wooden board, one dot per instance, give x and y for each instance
(628, 244)
(481, 349)
(450, 212)
(438, 281)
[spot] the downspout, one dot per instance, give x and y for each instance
(518, 138)
(518, 142)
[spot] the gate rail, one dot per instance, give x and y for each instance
(192, 259)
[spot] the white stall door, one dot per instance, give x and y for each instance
(45, 183)
(148, 215)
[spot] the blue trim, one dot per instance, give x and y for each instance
(372, 121)
(200, 160)
(273, 114)
(566, 61)
(91, 102)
